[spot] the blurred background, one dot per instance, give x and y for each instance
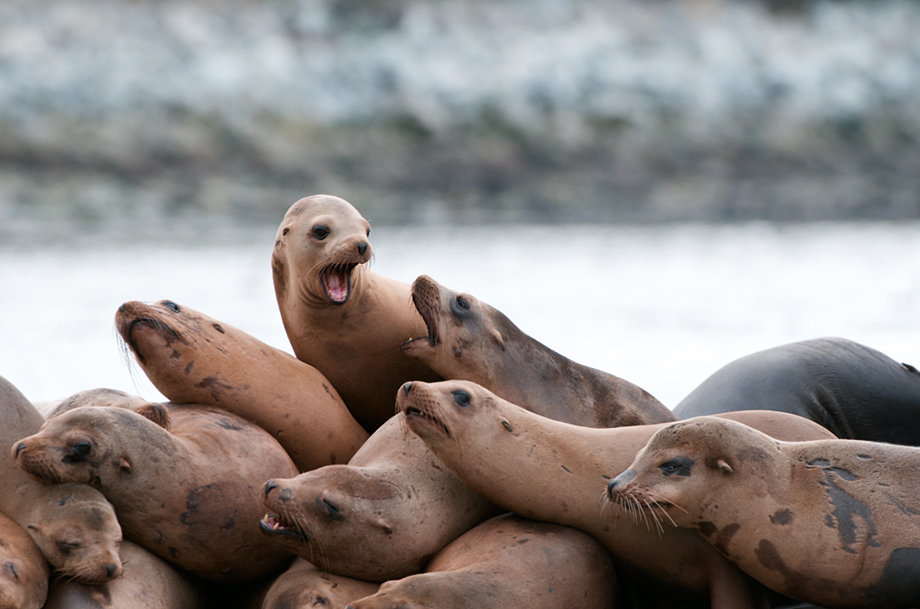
(710, 165)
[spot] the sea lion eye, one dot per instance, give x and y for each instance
(462, 398)
(368, 232)
(171, 306)
(463, 304)
(320, 232)
(678, 466)
(79, 452)
(65, 547)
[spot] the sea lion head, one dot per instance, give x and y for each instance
(79, 535)
(466, 337)
(442, 413)
(348, 520)
(183, 352)
(683, 466)
(109, 398)
(320, 249)
(83, 444)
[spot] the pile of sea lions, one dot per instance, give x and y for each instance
(421, 451)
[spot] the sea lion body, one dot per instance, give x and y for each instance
(856, 392)
(23, 569)
(73, 525)
(341, 317)
(557, 472)
(383, 516)
(470, 340)
(303, 586)
(194, 359)
(830, 522)
(190, 494)
(508, 561)
(148, 582)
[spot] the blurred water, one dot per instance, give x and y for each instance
(662, 306)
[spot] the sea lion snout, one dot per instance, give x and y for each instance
(269, 487)
(616, 484)
(362, 247)
(407, 387)
(18, 448)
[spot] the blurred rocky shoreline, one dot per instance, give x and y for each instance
(460, 110)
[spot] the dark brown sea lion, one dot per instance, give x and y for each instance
(383, 516)
(148, 582)
(831, 522)
(340, 316)
(73, 525)
(856, 392)
(557, 472)
(23, 569)
(194, 359)
(507, 561)
(467, 339)
(185, 482)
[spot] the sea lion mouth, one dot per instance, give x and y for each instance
(336, 280)
(275, 524)
(413, 412)
(427, 301)
(149, 322)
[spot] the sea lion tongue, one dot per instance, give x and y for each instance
(336, 283)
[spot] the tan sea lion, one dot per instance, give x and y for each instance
(303, 586)
(148, 582)
(73, 525)
(185, 481)
(340, 316)
(467, 339)
(23, 569)
(382, 516)
(507, 561)
(832, 522)
(557, 472)
(194, 359)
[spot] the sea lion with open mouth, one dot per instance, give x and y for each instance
(467, 339)
(340, 316)
(382, 516)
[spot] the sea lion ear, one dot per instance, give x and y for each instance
(725, 467)
(156, 413)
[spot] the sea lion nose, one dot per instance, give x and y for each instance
(121, 309)
(270, 486)
(19, 448)
(110, 569)
(362, 247)
(615, 484)
(407, 387)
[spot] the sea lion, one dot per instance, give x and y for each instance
(23, 569)
(305, 586)
(185, 481)
(194, 359)
(855, 391)
(383, 516)
(557, 472)
(831, 522)
(73, 525)
(507, 561)
(339, 315)
(467, 339)
(148, 582)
